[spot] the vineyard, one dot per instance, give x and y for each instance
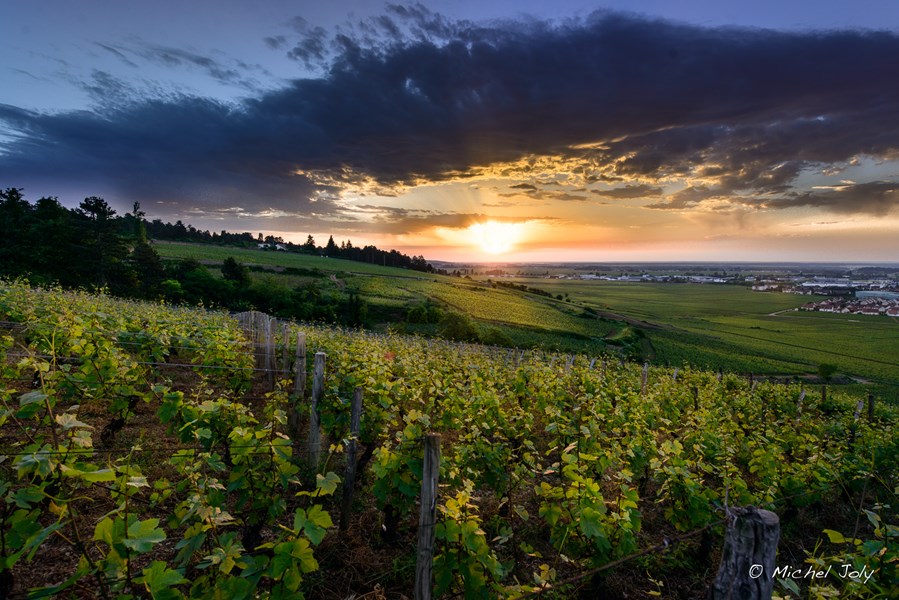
(155, 451)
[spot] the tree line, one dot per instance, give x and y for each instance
(88, 246)
(179, 232)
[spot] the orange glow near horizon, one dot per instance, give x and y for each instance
(494, 237)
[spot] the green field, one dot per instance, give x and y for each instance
(734, 328)
(524, 319)
(216, 254)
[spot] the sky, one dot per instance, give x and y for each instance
(640, 130)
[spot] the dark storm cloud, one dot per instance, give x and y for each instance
(191, 149)
(622, 97)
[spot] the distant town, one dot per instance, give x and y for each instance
(872, 306)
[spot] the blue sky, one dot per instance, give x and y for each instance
(630, 130)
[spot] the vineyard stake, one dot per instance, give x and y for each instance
(299, 389)
(427, 517)
(270, 353)
(285, 340)
(318, 390)
(643, 379)
(853, 429)
(349, 480)
(258, 328)
(748, 558)
(870, 407)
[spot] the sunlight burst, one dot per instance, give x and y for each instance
(494, 237)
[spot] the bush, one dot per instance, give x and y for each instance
(455, 326)
(417, 314)
(426, 312)
(495, 337)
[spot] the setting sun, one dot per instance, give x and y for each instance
(495, 238)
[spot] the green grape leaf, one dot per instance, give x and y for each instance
(142, 535)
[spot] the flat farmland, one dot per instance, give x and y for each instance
(728, 326)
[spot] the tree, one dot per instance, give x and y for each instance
(456, 326)
(355, 310)
(309, 246)
(54, 235)
(138, 226)
(331, 247)
(826, 371)
(149, 270)
(236, 272)
(104, 252)
(15, 217)
(96, 209)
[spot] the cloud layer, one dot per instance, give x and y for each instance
(619, 106)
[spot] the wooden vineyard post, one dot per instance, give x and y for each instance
(799, 404)
(318, 390)
(427, 517)
(695, 398)
(853, 429)
(285, 353)
(870, 407)
(299, 389)
(299, 383)
(748, 558)
(823, 394)
(349, 480)
(644, 378)
(270, 352)
(674, 376)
